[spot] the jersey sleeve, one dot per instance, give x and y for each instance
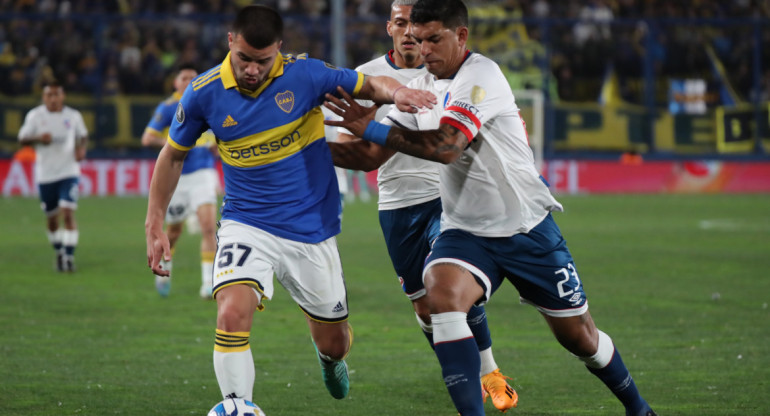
(29, 127)
(188, 122)
(161, 118)
(326, 77)
(80, 126)
(479, 94)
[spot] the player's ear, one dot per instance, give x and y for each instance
(462, 35)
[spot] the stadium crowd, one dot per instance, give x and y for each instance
(134, 47)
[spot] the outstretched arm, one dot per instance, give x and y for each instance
(386, 90)
(168, 168)
(350, 152)
(443, 145)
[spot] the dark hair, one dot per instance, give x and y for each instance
(52, 83)
(187, 66)
(451, 13)
(260, 26)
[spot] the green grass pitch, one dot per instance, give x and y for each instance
(679, 282)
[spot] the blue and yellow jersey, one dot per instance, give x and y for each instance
(278, 170)
(199, 157)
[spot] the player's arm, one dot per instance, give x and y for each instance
(81, 146)
(350, 152)
(386, 90)
(443, 145)
(152, 138)
(168, 169)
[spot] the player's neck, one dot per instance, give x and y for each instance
(404, 63)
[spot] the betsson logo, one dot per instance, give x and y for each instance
(266, 148)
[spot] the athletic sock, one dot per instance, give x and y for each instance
(55, 237)
(607, 365)
(477, 321)
(460, 362)
(207, 268)
(70, 241)
(234, 364)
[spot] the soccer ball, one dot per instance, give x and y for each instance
(235, 407)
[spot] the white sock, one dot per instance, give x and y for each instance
(488, 363)
(69, 238)
(234, 365)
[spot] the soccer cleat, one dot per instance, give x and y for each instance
(647, 412)
(335, 375)
(503, 395)
(69, 263)
(163, 285)
(60, 266)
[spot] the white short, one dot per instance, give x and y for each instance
(193, 190)
(311, 273)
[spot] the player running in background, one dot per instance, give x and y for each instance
(497, 221)
(60, 138)
(196, 192)
(409, 203)
(281, 207)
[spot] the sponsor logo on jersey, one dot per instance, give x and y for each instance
(285, 101)
(179, 113)
(330, 66)
(447, 98)
(229, 121)
(266, 148)
(477, 94)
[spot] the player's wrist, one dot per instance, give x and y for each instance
(376, 133)
(395, 91)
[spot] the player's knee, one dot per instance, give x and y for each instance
(424, 322)
(605, 349)
(334, 344)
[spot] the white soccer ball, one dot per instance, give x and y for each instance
(236, 407)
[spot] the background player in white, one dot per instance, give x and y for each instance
(409, 203)
(60, 138)
(196, 192)
(497, 221)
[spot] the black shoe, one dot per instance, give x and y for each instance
(69, 263)
(60, 264)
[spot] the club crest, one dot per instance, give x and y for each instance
(285, 101)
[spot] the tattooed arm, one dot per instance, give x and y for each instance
(443, 145)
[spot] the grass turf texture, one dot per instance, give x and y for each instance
(679, 282)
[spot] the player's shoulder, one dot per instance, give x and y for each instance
(70, 111)
(378, 65)
(206, 80)
(478, 62)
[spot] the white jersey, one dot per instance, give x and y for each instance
(493, 189)
(402, 180)
(55, 161)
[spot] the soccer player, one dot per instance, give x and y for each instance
(281, 208)
(497, 221)
(196, 192)
(60, 138)
(409, 203)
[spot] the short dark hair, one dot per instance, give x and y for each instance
(187, 66)
(451, 13)
(260, 26)
(53, 83)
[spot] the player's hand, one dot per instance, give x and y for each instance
(46, 138)
(355, 117)
(158, 248)
(410, 100)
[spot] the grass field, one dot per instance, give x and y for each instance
(679, 282)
